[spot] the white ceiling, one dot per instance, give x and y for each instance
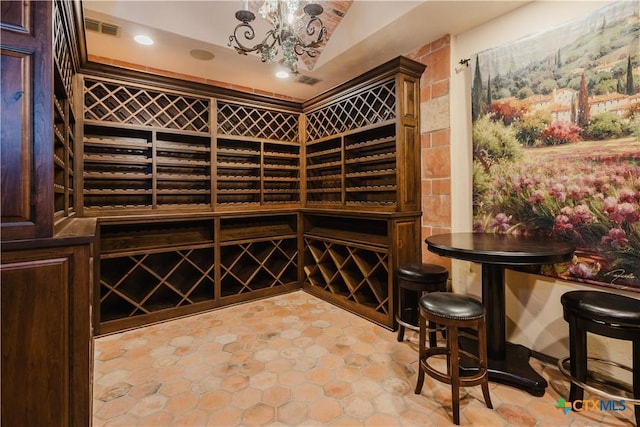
(371, 33)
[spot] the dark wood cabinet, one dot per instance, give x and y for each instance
(46, 281)
(46, 290)
(26, 127)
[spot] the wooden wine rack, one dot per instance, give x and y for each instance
(363, 150)
(350, 258)
(258, 255)
(152, 270)
(325, 172)
(144, 150)
(242, 174)
(63, 124)
(359, 275)
(257, 157)
(147, 268)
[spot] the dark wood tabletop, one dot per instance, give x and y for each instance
(505, 249)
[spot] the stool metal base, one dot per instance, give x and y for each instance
(595, 390)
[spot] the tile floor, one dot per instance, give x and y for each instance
(295, 360)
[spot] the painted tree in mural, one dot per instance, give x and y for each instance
(583, 103)
(629, 77)
(476, 94)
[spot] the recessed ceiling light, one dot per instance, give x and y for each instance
(202, 55)
(142, 39)
(282, 74)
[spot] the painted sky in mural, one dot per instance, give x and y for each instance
(556, 142)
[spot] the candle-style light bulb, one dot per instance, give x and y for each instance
(245, 4)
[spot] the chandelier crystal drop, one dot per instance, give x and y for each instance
(295, 33)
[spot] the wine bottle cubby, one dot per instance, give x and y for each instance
(371, 167)
(348, 261)
(118, 167)
(238, 166)
(183, 170)
(153, 270)
(257, 157)
(258, 253)
(350, 258)
(362, 150)
(324, 172)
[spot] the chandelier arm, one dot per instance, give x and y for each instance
(313, 24)
(248, 33)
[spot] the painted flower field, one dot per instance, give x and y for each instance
(587, 192)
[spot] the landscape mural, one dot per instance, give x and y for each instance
(556, 142)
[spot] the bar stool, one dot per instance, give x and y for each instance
(605, 314)
(413, 281)
(453, 311)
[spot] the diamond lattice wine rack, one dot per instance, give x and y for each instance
(205, 201)
(144, 149)
(258, 157)
(149, 267)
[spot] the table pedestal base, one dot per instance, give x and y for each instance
(513, 371)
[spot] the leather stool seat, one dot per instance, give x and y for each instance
(453, 306)
(606, 314)
(453, 311)
(413, 281)
(603, 306)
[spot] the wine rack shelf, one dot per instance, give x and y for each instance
(347, 259)
(156, 269)
(252, 266)
(359, 166)
(258, 253)
(257, 157)
(358, 275)
(120, 166)
(144, 149)
(145, 283)
(64, 122)
(362, 149)
(350, 258)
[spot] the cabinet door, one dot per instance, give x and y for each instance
(46, 338)
(27, 120)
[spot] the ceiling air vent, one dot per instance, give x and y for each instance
(92, 25)
(101, 27)
(307, 80)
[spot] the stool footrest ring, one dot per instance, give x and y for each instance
(416, 328)
(464, 380)
(591, 388)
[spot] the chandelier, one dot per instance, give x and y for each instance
(293, 32)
